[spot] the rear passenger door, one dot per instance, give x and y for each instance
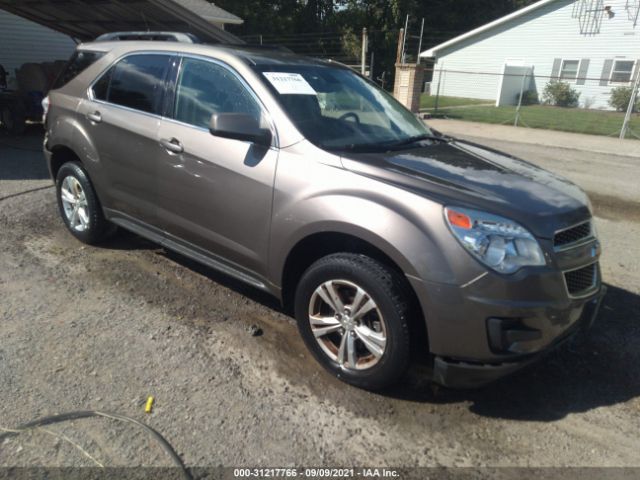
(215, 193)
(122, 117)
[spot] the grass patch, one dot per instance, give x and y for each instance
(429, 101)
(576, 120)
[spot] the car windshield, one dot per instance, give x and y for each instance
(337, 109)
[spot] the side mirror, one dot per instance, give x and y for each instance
(240, 126)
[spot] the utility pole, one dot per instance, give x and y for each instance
(365, 47)
(632, 103)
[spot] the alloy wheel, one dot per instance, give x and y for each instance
(347, 324)
(74, 203)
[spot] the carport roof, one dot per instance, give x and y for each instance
(87, 19)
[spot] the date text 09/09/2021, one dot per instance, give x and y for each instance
(315, 473)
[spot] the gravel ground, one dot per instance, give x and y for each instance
(104, 327)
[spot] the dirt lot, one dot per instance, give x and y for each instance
(103, 328)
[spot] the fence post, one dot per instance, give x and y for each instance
(400, 46)
(524, 77)
(632, 102)
(371, 66)
(435, 110)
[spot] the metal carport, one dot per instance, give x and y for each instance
(86, 19)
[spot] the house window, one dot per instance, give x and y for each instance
(622, 71)
(569, 70)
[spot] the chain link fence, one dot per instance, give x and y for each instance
(521, 98)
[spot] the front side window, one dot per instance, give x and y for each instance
(336, 109)
(569, 72)
(205, 88)
(136, 82)
(622, 71)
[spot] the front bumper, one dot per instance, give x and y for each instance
(484, 331)
(462, 374)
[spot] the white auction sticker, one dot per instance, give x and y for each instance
(289, 83)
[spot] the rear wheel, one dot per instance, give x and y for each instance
(79, 205)
(353, 316)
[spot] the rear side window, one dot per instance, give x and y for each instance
(78, 63)
(136, 82)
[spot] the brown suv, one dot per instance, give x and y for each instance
(304, 179)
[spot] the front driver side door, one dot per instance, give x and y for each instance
(215, 193)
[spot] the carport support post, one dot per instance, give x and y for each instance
(632, 102)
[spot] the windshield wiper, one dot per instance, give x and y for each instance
(385, 146)
(418, 138)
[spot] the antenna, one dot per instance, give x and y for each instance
(589, 14)
(633, 11)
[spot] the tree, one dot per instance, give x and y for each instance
(444, 19)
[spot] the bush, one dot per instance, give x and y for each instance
(620, 98)
(560, 94)
(530, 97)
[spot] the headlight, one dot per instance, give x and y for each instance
(497, 242)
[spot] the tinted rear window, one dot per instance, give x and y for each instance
(79, 62)
(135, 82)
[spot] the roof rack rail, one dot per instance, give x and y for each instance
(153, 36)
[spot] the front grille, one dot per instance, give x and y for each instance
(582, 280)
(572, 235)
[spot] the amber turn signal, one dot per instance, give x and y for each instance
(458, 219)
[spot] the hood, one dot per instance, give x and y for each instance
(468, 175)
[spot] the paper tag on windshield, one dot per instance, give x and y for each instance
(289, 83)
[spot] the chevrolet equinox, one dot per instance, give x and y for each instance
(304, 179)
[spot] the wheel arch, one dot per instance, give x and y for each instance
(320, 244)
(61, 154)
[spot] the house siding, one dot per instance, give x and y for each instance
(539, 39)
(23, 41)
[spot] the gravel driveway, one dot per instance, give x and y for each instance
(103, 328)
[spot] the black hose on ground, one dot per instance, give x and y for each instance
(65, 417)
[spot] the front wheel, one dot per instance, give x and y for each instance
(353, 316)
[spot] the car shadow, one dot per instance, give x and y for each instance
(595, 368)
(237, 286)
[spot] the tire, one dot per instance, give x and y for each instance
(357, 280)
(73, 187)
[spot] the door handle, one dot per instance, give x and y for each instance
(172, 145)
(95, 117)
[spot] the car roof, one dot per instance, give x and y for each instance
(255, 55)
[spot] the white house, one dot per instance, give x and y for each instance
(591, 44)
